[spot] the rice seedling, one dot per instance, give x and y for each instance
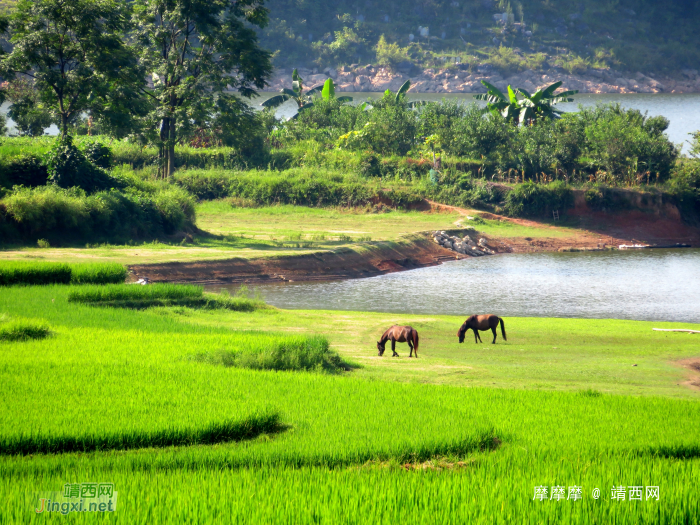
(126, 292)
(35, 272)
(354, 450)
(23, 330)
(288, 353)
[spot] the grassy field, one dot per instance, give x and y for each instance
(392, 439)
(278, 230)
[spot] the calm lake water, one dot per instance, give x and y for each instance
(654, 285)
(683, 110)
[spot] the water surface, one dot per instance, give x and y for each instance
(653, 285)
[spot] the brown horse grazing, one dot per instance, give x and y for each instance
(402, 334)
(481, 322)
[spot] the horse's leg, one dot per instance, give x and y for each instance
(410, 346)
(493, 329)
(393, 347)
(477, 335)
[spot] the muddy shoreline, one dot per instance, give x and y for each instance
(654, 223)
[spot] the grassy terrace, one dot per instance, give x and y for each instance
(278, 230)
(390, 440)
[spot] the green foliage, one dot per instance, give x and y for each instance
(528, 108)
(390, 55)
(35, 273)
(538, 200)
(73, 50)
(99, 155)
(191, 64)
(289, 353)
(69, 167)
(63, 215)
(25, 170)
(626, 143)
(22, 330)
(348, 43)
(30, 115)
(311, 187)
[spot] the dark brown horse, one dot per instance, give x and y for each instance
(402, 334)
(481, 322)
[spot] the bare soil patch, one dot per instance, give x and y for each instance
(693, 365)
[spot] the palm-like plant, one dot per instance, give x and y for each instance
(529, 108)
(303, 100)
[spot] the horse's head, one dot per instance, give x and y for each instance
(463, 329)
(381, 347)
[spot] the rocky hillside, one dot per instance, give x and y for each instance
(603, 46)
(376, 79)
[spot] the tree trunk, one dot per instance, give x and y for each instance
(171, 148)
(64, 125)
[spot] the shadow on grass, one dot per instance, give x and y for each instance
(211, 434)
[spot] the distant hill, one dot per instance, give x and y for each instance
(628, 35)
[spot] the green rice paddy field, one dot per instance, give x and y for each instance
(463, 434)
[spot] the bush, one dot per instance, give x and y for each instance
(68, 167)
(26, 170)
(99, 155)
(599, 198)
(296, 186)
(58, 214)
(531, 200)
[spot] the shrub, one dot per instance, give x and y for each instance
(68, 167)
(26, 170)
(599, 198)
(99, 155)
(50, 212)
(530, 199)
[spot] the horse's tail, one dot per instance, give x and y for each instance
(503, 329)
(415, 341)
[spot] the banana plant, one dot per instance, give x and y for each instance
(303, 100)
(540, 105)
(529, 108)
(296, 94)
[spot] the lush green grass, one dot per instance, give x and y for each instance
(22, 329)
(115, 372)
(40, 272)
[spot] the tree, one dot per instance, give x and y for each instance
(72, 49)
(194, 50)
(31, 117)
(529, 108)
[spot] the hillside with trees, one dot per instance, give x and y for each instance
(657, 38)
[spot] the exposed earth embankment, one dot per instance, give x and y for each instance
(653, 222)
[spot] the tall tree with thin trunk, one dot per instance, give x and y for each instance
(73, 49)
(196, 52)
